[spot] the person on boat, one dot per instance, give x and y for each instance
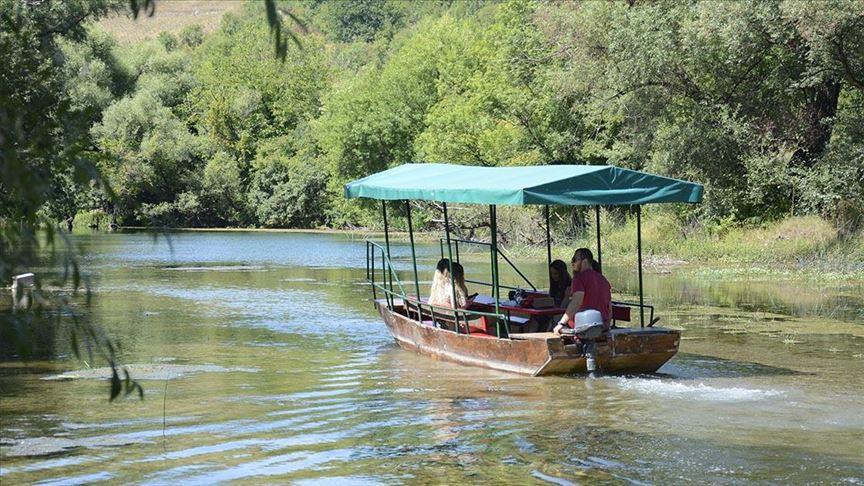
(590, 291)
(559, 283)
(441, 293)
(559, 289)
(442, 265)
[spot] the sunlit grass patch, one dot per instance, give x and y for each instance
(796, 248)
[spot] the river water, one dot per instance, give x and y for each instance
(263, 360)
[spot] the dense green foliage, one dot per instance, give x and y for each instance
(762, 101)
(55, 81)
(76, 120)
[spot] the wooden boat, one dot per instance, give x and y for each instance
(623, 350)
(465, 335)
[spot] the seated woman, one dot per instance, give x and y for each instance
(559, 283)
(441, 292)
(559, 290)
(442, 265)
(590, 291)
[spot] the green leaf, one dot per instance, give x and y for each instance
(116, 386)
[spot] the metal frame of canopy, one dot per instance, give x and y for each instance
(561, 185)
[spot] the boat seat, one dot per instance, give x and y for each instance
(479, 332)
(478, 325)
(540, 336)
(620, 313)
(427, 313)
(514, 320)
(475, 331)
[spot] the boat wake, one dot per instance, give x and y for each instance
(701, 391)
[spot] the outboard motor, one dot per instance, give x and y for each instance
(589, 327)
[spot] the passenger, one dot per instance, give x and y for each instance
(559, 283)
(590, 290)
(559, 289)
(441, 293)
(442, 265)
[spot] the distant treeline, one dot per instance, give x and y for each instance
(763, 102)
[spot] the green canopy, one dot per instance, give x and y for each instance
(567, 185)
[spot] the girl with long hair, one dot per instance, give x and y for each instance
(441, 292)
(559, 283)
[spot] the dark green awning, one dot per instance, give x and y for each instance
(566, 185)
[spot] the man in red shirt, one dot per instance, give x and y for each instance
(591, 290)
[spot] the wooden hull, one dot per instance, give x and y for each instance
(624, 351)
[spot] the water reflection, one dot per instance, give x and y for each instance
(761, 390)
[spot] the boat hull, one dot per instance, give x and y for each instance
(624, 350)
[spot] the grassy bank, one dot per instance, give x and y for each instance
(797, 247)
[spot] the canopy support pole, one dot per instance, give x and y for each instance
(639, 252)
(387, 245)
(493, 228)
(548, 244)
(450, 260)
(414, 260)
(599, 251)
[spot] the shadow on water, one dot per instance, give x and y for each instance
(25, 335)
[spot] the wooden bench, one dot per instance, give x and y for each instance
(620, 313)
(421, 311)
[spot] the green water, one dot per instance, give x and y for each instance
(298, 381)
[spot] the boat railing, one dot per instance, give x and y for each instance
(503, 255)
(389, 284)
(388, 274)
(634, 305)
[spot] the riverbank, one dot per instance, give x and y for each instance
(795, 248)
(807, 248)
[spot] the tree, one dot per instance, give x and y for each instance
(359, 20)
(192, 35)
(43, 144)
(244, 94)
(730, 94)
(288, 183)
(148, 152)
